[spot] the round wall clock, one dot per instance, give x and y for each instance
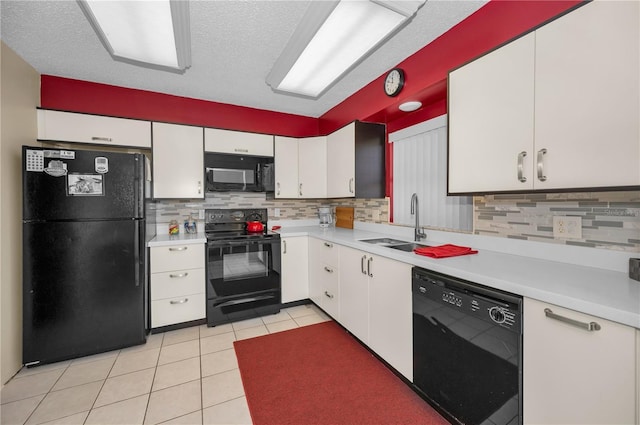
(394, 82)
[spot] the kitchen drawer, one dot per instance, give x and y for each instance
(237, 142)
(176, 283)
(177, 257)
(323, 251)
(170, 311)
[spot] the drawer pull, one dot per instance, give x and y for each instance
(540, 167)
(328, 245)
(591, 326)
(328, 295)
(182, 301)
(328, 269)
(182, 248)
(101, 139)
(179, 275)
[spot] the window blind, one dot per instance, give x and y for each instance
(420, 166)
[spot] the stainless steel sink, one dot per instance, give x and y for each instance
(407, 247)
(383, 241)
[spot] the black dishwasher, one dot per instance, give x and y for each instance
(467, 349)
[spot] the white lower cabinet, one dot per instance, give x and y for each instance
(295, 268)
(573, 375)
(324, 282)
(375, 305)
(177, 284)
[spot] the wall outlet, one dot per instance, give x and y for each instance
(569, 227)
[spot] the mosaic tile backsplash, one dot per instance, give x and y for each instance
(288, 209)
(610, 220)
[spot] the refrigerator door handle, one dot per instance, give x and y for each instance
(136, 255)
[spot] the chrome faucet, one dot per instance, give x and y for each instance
(419, 234)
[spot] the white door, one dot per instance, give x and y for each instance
(341, 162)
(587, 97)
(286, 167)
(575, 376)
(354, 292)
(312, 167)
(390, 317)
(178, 161)
(491, 121)
(295, 268)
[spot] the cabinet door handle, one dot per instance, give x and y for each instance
(101, 139)
(199, 187)
(591, 326)
(541, 175)
(278, 190)
(364, 257)
(351, 185)
(284, 247)
(328, 245)
(521, 176)
(182, 248)
(328, 269)
(179, 275)
(241, 150)
(369, 266)
(328, 294)
(182, 301)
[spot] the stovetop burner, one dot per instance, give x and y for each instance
(231, 223)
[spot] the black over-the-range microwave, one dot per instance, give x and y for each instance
(239, 173)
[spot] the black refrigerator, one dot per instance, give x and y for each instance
(84, 289)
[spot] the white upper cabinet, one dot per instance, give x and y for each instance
(312, 167)
(491, 120)
(341, 162)
(94, 129)
(555, 109)
(237, 142)
(286, 167)
(178, 162)
(300, 167)
(587, 92)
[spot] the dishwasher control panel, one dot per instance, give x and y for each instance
(487, 304)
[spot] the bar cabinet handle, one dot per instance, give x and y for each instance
(179, 275)
(328, 269)
(521, 176)
(364, 257)
(278, 186)
(183, 248)
(101, 139)
(328, 245)
(182, 301)
(541, 175)
(351, 185)
(328, 294)
(590, 327)
(284, 247)
(300, 189)
(369, 266)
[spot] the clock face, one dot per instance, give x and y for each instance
(394, 82)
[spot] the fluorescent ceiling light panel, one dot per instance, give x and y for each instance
(144, 32)
(333, 37)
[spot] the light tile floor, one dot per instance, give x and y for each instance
(187, 376)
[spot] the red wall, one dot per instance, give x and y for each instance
(83, 96)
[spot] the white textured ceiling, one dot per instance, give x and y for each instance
(234, 46)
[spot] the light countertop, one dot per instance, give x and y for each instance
(179, 239)
(608, 294)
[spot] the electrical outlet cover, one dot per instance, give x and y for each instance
(569, 227)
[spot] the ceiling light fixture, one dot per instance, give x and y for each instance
(153, 34)
(410, 106)
(332, 38)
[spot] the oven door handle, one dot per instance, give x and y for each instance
(244, 300)
(222, 244)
